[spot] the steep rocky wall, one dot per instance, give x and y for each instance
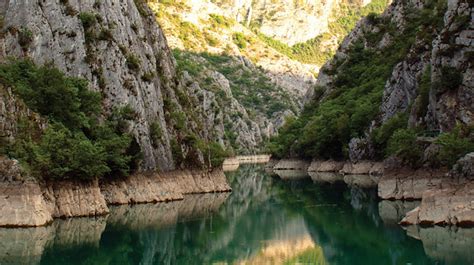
(447, 48)
(286, 20)
(121, 50)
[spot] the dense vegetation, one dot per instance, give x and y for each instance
(353, 100)
(75, 144)
(314, 51)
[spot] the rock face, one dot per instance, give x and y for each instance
(362, 168)
(160, 187)
(440, 63)
(250, 88)
(464, 168)
(25, 204)
(449, 206)
(410, 184)
(74, 198)
(278, 18)
(124, 55)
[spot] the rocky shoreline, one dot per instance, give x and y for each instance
(447, 197)
(32, 204)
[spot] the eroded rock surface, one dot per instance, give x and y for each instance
(449, 206)
(410, 184)
(25, 204)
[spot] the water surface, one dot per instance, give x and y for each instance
(265, 220)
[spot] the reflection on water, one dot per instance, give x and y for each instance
(326, 177)
(263, 221)
(291, 174)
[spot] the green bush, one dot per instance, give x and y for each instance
(380, 136)
(87, 19)
(450, 79)
(63, 154)
(49, 92)
(239, 40)
(455, 144)
(403, 145)
(25, 37)
(214, 154)
(133, 62)
(156, 133)
(75, 145)
(424, 87)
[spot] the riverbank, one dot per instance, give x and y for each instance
(30, 203)
(233, 163)
(447, 197)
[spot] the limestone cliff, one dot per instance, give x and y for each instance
(121, 50)
(441, 55)
(409, 68)
(289, 21)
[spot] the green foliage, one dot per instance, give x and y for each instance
(214, 154)
(403, 145)
(49, 92)
(382, 135)
(63, 154)
(75, 145)
(156, 133)
(219, 21)
(239, 40)
(424, 86)
(133, 62)
(88, 20)
(177, 152)
(455, 144)
(450, 79)
(25, 37)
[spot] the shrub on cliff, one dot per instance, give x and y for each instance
(76, 144)
(455, 144)
(403, 144)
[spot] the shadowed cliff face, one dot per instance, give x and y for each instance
(121, 50)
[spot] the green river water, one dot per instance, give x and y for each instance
(265, 220)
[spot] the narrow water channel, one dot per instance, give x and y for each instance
(264, 220)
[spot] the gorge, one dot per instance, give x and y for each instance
(107, 103)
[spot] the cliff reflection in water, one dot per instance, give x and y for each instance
(264, 220)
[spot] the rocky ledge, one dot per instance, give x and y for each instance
(447, 198)
(28, 203)
(448, 206)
